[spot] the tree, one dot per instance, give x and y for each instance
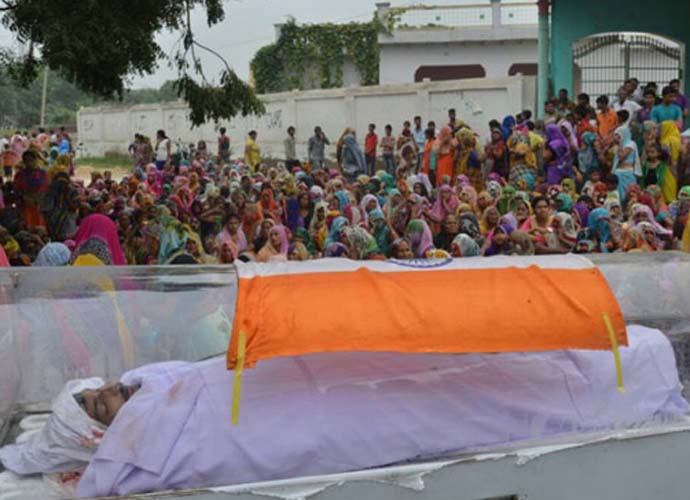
(98, 44)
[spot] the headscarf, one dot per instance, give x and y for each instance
(564, 202)
(334, 233)
(53, 254)
(507, 127)
(587, 157)
(361, 243)
(4, 261)
(623, 133)
(269, 252)
(572, 138)
(567, 233)
(101, 227)
(640, 209)
(439, 210)
(469, 225)
(65, 443)
(420, 237)
(598, 225)
(381, 230)
(558, 144)
(464, 246)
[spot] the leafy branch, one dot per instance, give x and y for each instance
(313, 55)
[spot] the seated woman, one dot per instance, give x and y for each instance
(168, 425)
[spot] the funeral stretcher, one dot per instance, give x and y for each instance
(552, 465)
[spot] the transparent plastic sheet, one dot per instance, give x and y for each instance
(58, 324)
(10, 368)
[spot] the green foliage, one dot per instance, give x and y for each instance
(98, 44)
(317, 49)
(213, 103)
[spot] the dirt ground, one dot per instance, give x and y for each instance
(84, 172)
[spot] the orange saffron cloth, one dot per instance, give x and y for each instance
(440, 311)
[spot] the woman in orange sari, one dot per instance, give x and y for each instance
(444, 149)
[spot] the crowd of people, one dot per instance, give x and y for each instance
(611, 179)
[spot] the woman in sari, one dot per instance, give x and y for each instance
(626, 161)
(419, 236)
(656, 172)
(276, 248)
(489, 220)
(353, 161)
(97, 236)
(464, 246)
(557, 157)
(318, 227)
(444, 150)
(497, 152)
(268, 205)
(60, 206)
(606, 239)
(498, 242)
(30, 185)
(468, 158)
(361, 244)
(587, 156)
(671, 141)
(232, 230)
(380, 230)
(446, 203)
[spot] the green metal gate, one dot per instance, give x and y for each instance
(601, 63)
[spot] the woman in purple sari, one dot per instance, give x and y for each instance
(557, 156)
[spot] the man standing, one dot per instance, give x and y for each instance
(565, 105)
(550, 113)
(668, 110)
(625, 103)
(223, 146)
(316, 148)
(648, 103)
(681, 99)
(419, 138)
(370, 143)
(290, 149)
(606, 117)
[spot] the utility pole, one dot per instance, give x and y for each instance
(44, 97)
(543, 67)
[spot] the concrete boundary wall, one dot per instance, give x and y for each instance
(111, 129)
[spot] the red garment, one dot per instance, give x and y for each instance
(370, 143)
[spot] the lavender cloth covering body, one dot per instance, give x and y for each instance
(330, 413)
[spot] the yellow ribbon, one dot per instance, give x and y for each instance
(237, 390)
(616, 353)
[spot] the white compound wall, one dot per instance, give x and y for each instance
(111, 129)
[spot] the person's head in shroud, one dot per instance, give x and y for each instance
(102, 404)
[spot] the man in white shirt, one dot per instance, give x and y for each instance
(627, 104)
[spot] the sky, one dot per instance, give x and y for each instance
(249, 25)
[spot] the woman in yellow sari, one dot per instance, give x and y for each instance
(469, 159)
(671, 141)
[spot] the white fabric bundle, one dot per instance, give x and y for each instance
(65, 443)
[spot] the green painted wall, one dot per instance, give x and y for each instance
(572, 20)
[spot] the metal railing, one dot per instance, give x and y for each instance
(470, 15)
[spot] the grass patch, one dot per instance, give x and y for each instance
(108, 162)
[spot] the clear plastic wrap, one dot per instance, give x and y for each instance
(58, 324)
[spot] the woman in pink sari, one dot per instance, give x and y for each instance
(276, 248)
(97, 235)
